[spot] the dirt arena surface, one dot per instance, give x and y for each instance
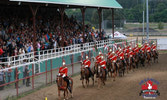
(124, 88)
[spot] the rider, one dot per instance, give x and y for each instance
(103, 65)
(98, 58)
(131, 53)
(63, 73)
(153, 46)
(87, 63)
(148, 49)
(110, 51)
(121, 55)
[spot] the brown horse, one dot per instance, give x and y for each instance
(62, 86)
(101, 76)
(111, 66)
(132, 63)
(127, 63)
(85, 74)
(155, 55)
(136, 56)
(148, 58)
(121, 67)
(142, 58)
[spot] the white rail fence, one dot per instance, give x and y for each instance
(40, 56)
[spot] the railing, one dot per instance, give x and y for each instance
(40, 56)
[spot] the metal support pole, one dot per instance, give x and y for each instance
(34, 12)
(46, 70)
(62, 24)
(113, 22)
(99, 12)
(51, 70)
(147, 22)
(83, 21)
(32, 76)
(72, 64)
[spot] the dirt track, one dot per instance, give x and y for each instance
(124, 88)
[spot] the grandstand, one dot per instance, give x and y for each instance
(36, 31)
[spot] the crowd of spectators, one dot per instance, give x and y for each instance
(16, 31)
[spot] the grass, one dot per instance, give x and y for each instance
(163, 51)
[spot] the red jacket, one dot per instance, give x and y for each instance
(86, 63)
(121, 55)
(114, 58)
(103, 64)
(148, 49)
(63, 70)
(98, 59)
(136, 50)
(1, 51)
(153, 47)
(131, 53)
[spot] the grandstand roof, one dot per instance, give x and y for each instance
(86, 3)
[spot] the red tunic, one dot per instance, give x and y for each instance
(114, 58)
(153, 47)
(110, 56)
(98, 59)
(131, 53)
(148, 49)
(63, 70)
(121, 55)
(136, 50)
(86, 63)
(103, 64)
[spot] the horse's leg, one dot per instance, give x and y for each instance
(93, 79)
(67, 94)
(59, 94)
(98, 83)
(83, 83)
(64, 95)
(88, 82)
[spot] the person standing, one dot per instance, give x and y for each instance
(9, 72)
(2, 79)
(27, 71)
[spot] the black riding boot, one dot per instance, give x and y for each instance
(68, 83)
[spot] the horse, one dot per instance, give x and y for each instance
(155, 55)
(127, 63)
(142, 58)
(121, 67)
(112, 68)
(85, 74)
(148, 58)
(62, 86)
(101, 76)
(136, 56)
(132, 63)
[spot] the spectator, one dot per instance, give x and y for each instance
(9, 72)
(27, 71)
(2, 78)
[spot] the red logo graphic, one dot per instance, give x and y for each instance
(149, 90)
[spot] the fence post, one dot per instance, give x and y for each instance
(16, 72)
(46, 70)
(72, 64)
(32, 76)
(51, 69)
